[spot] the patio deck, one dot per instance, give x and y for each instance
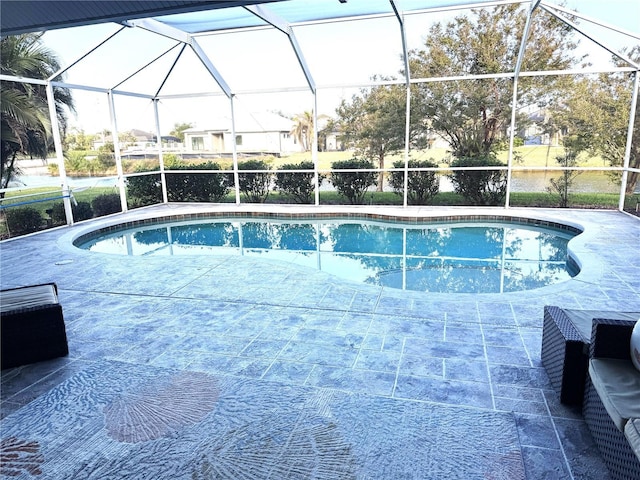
(283, 325)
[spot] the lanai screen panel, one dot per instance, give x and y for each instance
(185, 76)
(254, 60)
(196, 111)
(106, 64)
(352, 52)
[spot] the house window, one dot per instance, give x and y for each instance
(197, 143)
(238, 139)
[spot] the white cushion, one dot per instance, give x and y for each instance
(32, 296)
(635, 345)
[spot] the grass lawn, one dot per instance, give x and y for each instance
(43, 198)
(527, 156)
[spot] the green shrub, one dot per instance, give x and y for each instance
(144, 190)
(197, 187)
(421, 186)
(480, 187)
(106, 204)
(353, 185)
(23, 220)
(254, 185)
(170, 160)
(106, 156)
(300, 185)
(181, 187)
(56, 212)
(106, 160)
(81, 211)
(75, 162)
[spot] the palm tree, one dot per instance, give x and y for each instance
(303, 129)
(24, 112)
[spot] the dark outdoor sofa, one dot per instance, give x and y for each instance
(32, 325)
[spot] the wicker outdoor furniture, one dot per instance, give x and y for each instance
(612, 398)
(33, 327)
(566, 335)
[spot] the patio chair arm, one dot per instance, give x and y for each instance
(611, 338)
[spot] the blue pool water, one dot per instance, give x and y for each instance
(453, 257)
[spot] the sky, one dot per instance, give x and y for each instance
(347, 52)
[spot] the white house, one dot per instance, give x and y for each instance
(133, 139)
(266, 133)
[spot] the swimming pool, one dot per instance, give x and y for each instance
(455, 257)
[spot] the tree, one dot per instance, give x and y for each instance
(373, 122)
(303, 129)
(24, 111)
(178, 130)
(324, 131)
(595, 112)
(77, 139)
(561, 185)
(473, 114)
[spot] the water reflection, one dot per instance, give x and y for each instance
(444, 258)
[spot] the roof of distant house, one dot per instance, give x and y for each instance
(247, 123)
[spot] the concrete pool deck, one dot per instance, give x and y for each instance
(267, 321)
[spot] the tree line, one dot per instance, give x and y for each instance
(590, 113)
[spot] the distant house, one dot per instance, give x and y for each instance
(330, 139)
(133, 139)
(256, 133)
(537, 132)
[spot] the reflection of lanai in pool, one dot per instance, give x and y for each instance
(452, 258)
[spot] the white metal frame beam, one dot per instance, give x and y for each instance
(550, 10)
(57, 142)
(284, 26)
(173, 33)
(627, 150)
(595, 21)
(407, 114)
(514, 100)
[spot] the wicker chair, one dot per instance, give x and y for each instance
(33, 327)
(609, 340)
(566, 335)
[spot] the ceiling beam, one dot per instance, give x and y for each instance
(160, 28)
(282, 25)
(173, 33)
